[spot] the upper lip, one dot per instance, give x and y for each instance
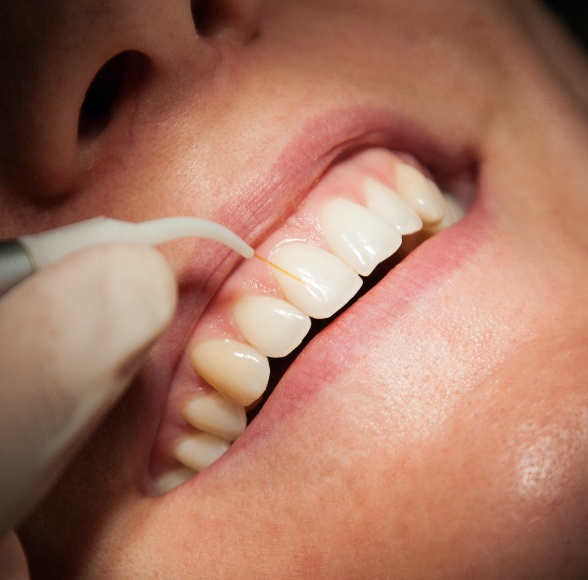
(327, 140)
(271, 198)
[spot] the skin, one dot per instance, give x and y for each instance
(450, 439)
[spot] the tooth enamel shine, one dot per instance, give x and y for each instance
(328, 283)
(357, 235)
(235, 369)
(388, 205)
(200, 450)
(215, 414)
(274, 327)
(420, 193)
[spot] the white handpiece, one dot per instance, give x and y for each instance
(21, 257)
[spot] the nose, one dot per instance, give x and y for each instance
(64, 65)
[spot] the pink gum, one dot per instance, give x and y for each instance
(253, 277)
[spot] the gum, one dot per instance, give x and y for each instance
(254, 277)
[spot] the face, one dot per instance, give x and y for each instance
(439, 424)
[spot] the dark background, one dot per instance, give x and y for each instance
(575, 13)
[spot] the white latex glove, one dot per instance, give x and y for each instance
(71, 339)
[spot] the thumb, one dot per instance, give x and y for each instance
(71, 338)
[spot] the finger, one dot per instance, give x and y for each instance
(71, 338)
(13, 563)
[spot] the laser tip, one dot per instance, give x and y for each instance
(278, 268)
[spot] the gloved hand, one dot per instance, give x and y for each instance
(71, 338)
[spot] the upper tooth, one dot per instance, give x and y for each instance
(387, 204)
(215, 414)
(172, 479)
(235, 369)
(420, 193)
(454, 212)
(357, 235)
(327, 283)
(200, 450)
(274, 327)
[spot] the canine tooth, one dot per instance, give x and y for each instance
(273, 326)
(328, 283)
(387, 204)
(420, 193)
(174, 478)
(215, 414)
(235, 369)
(454, 212)
(200, 450)
(357, 235)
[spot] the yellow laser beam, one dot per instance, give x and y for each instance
(279, 269)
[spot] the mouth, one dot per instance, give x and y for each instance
(366, 214)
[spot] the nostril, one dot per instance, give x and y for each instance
(107, 88)
(204, 15)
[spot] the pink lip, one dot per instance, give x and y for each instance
(330, 138)
(346, 341)
(274, 196)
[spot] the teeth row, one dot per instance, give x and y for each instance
(316, 283)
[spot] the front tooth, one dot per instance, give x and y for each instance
(235, 369)
(387, 204)
(357, 235)
(172, 479)
(274, 327)
(326, 285)
(215, 414)
(420, 193)
(200, 450)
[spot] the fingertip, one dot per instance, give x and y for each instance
(72, 337)
(142, 276)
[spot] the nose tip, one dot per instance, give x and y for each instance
(63, 65)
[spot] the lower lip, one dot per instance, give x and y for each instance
(349, 340)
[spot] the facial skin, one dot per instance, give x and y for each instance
(440, 426)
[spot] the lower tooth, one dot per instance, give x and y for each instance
(420, 193)
(357, 235)
(172, 479)
(235, 369)
(274, 327)
(388, 205)
(215, 414)
(325, 283)
(200, 450)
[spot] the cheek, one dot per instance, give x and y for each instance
(455, 463)
(547, 428)
(514, 463)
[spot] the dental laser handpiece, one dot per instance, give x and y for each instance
(23, 256)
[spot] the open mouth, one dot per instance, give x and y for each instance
(367, 213)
